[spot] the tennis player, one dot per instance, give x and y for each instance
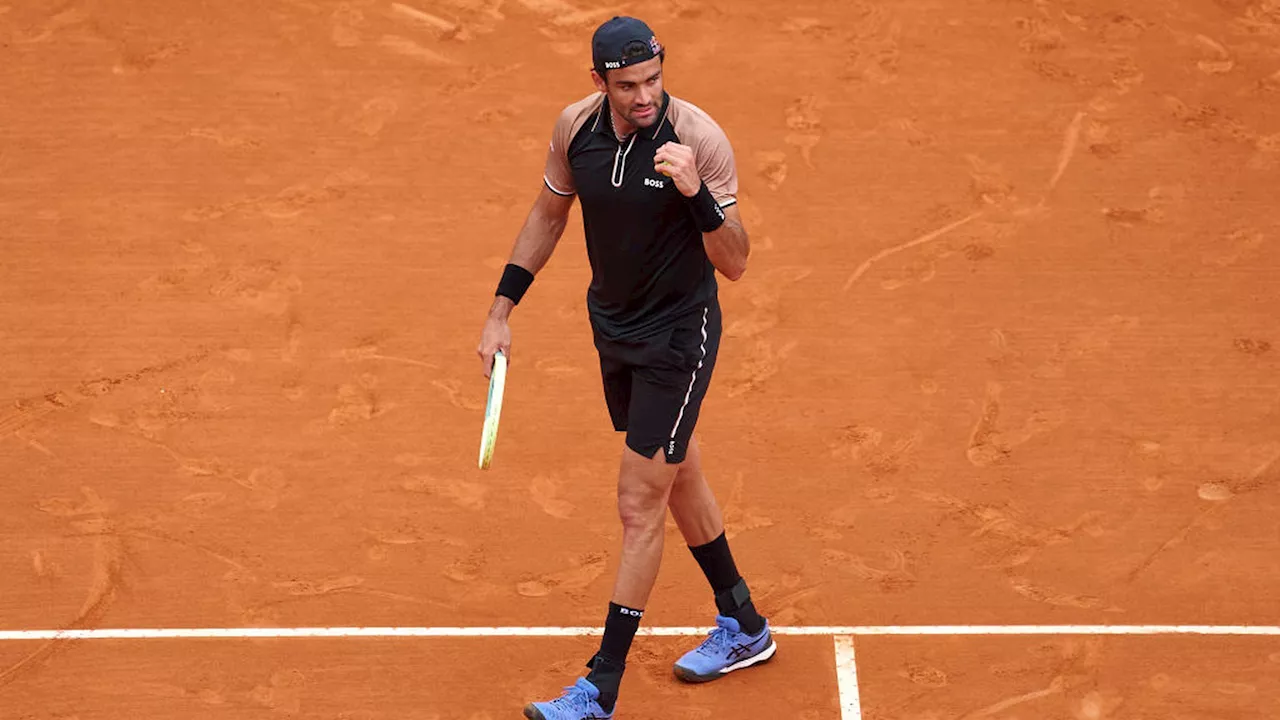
(657, 182)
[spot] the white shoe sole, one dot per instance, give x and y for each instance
(764, 656)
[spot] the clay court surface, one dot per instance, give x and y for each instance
(1007, 353)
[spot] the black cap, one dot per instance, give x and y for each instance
(623, 41)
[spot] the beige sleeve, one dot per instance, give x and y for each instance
(716, 165)
(556, 174)
(711, 150)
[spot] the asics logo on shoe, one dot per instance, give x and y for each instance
(739, 650)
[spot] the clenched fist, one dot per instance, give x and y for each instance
(676, 161)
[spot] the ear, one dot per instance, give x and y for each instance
(600, 82)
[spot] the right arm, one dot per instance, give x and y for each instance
(533, 247)
(542, 230)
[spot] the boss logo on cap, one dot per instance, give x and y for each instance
(654, 45)
(612, 65)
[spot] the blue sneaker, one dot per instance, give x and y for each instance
(726, 649)
(579, 702)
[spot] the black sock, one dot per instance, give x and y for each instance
(620, 627)
(732, 597)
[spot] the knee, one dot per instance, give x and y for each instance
(644, 484)
(642, 497)
(641, 509)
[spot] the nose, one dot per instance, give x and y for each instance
(645, 96)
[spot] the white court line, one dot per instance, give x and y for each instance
(847, 679)
(469, 632)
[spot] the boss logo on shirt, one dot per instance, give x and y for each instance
(650, 182)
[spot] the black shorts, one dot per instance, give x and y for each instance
(654, 387)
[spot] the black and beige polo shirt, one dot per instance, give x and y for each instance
(647, 259)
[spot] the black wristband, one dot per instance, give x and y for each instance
(515, 281)
(707, 213)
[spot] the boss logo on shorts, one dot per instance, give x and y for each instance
(650, 182)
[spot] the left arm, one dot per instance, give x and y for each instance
(727, 245)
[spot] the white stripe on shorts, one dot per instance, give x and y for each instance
(692, 380)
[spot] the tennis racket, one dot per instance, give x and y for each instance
(493, 409)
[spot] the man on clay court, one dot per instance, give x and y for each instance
(657, 182)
